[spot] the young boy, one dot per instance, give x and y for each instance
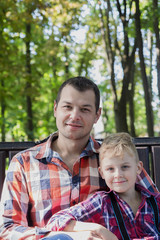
(119, 167)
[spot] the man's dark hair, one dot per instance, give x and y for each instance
(81, 84)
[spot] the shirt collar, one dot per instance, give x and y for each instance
(91, 147)
(44, 149)
(144, 192)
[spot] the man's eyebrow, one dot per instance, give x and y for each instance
(87, 105)
(66, 102)
(83, 105)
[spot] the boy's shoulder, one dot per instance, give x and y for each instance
(147, 192)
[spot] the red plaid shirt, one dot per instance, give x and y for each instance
(38, 184)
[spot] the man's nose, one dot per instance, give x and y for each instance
(75, 114)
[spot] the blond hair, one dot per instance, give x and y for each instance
(117, 144)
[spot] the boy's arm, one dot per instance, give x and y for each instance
(71, 220)
(95, 229)
(89, 210)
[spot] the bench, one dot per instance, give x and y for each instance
(148, 149)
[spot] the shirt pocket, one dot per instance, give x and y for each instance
(146, 225)
(113, 227)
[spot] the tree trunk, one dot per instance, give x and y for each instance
(2, 83)
(2, 112)
(157, 31)
(120, 107)
(110, 60)
(66, 62)
(149, 110)
(150, 47)
(30, 133)
(131, 103)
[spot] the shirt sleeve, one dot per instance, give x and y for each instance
(147, 238)
(14, 206)
(145, 180)
(89, 210)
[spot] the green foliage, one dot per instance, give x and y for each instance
(65, 40)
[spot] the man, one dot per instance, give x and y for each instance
(58, 173)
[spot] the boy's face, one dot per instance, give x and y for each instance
(120, 172)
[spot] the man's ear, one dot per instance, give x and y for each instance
(55, 108)
(98, 114)
(139, 167)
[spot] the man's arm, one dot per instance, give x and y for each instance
(14, 207)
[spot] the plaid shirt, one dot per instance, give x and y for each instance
(98, 209)
(38, 184)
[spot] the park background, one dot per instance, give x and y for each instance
(116, 43)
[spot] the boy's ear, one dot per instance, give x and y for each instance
(101, 172)
(139, 167)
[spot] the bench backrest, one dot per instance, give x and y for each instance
(148, 150)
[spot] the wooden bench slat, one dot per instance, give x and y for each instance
(147, 141)
(12, 153)
(156, 165)
(2, 169)
(143, 153)
(16, 145)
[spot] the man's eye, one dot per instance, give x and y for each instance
(85, 110)
(67, 107)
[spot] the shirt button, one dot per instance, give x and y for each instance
(74, 202)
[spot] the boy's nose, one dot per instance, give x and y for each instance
(118, 172)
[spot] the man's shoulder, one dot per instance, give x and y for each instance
(95, 143)
(37, 151)
(98, 140)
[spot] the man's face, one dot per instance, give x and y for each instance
(75, 113)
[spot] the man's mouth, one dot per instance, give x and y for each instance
(74, 125)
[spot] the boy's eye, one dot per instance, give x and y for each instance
(125, 167)
(110, 169)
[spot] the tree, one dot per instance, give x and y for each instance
(157, 34)
(125, 53)
(40, 48)
(149, 111)
(7, 50)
